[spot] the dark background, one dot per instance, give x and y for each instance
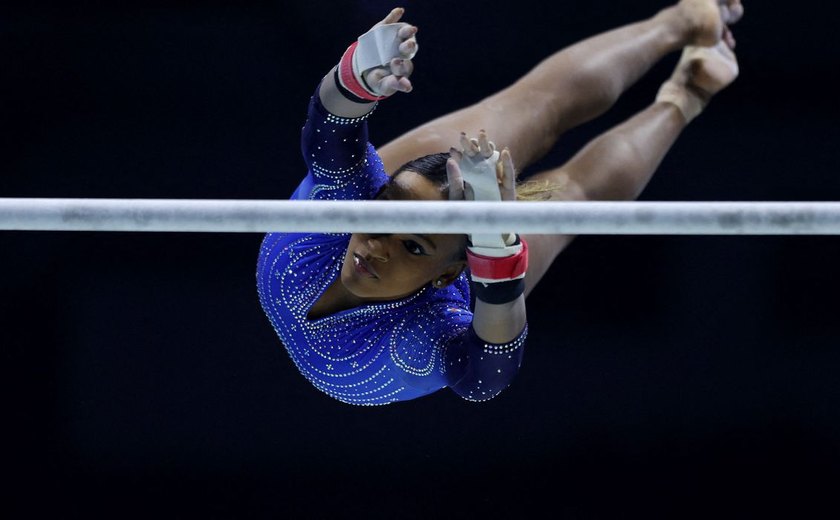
(664, 376)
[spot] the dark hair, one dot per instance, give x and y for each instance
(432, 167)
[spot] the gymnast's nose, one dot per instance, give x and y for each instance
(378, 247)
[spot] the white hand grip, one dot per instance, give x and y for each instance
(378, 47)
(479, 174)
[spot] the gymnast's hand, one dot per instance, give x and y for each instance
(479, 156)
(498, 262)
(392, 78)
(477, 150)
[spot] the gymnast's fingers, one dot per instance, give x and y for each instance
(453, 174)
(474, 147)
(508, 181)
(391, 84)
(485, 146)
(393, 17)
(401, 67)
(407, 31)
(729, 38)
(408, 48)
(468, 146)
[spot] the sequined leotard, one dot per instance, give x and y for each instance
(377, 353)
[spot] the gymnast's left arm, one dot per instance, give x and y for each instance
(352, 88)
(484, 360)
(334, 140)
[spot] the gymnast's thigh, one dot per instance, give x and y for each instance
(514, 118)
(544, 249)
(435, 136)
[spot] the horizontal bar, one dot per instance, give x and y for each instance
(577, 218)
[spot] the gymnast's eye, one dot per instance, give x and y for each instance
(413, 247)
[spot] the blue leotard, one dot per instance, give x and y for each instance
(382, 352)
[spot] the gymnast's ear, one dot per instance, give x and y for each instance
(450, 274)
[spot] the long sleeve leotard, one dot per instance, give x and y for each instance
(381, 352)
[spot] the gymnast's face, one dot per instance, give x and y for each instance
(387, 267)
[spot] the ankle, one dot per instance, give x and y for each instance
(676, 29)
(688, 99)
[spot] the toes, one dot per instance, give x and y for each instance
(734, 11)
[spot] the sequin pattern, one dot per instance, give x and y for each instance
(378, 353)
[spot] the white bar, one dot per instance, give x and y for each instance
(577, 218)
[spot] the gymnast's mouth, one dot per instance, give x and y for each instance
(363, 267)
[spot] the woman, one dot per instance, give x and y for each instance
(374, 319)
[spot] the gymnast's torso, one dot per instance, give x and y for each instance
(380, 352)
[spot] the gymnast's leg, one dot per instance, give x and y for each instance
(570, 87)
(618, 164)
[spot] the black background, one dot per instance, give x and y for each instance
(664, 376)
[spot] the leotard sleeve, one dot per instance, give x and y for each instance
(437, 347)
(478, 370)
(342, 164)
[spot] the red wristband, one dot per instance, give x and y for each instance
(348, 78)
(489, 269)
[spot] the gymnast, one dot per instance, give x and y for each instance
(372, 319)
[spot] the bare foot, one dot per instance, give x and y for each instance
(710, 69)
(701, 73)
(706, 22)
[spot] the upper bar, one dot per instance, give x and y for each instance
(576, 218)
